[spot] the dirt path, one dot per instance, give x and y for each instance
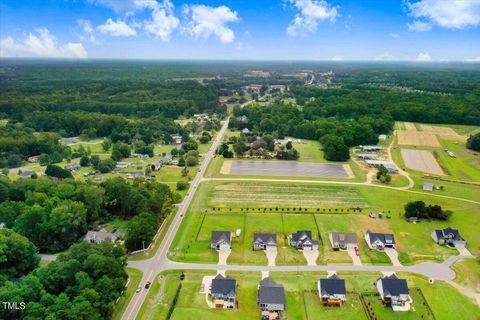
(400, 170)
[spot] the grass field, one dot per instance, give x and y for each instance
(272, 194)
(267, 212)
(301, 298)
(135, 276)
(468, 273)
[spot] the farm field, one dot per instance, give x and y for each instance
(263, 214)
(417, 138)
(421, 160)
(286, 168)
(270, 194)
(219, 169)
(301, 298)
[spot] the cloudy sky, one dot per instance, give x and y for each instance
(423, 30)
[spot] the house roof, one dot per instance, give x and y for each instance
(265, 238)
(302, 236)
(385, 238)
(392, 286)
(449, 233)
(270, 292)
(344, 237)
(100, 236)
(332, 285)
(226, 286)
(220, 237)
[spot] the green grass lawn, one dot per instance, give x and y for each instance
(191, 304)
(310, 150)
(135, 276)
(468, 273)
(302, 300)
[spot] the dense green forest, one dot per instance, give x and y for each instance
(80, 284)
(55, 214)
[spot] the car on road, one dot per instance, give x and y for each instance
(147, 285)
(138, 289)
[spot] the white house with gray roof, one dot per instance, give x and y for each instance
(223, 292)
(449, 237)
(271, 297)
(102, 235)
(303, 240)
(332, 290)
(379, 241)
(221, 240)
(394, 292)
(343, 240)
(264, 241)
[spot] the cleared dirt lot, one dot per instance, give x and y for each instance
(410, 126)
(417, 138)
(421, 160)
(294, 169)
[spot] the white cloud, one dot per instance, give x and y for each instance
(419, 26)
(88, 31)
(117, 28)
(43, 44)
(205, 21)
(474, 59)
(163, 22)
(310, 13)
(123, 5)
(336, 58)
(423, 56)
(386, 56)
(395, 35)
(453, 14)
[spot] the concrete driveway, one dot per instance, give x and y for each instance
(393, 255)
(464, 252)
(311, 256)
(271, 256)
(355, 259)
(223, 256)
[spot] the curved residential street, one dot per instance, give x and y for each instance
(160, 262)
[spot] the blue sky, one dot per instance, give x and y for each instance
(425, 30)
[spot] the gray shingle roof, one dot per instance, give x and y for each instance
(386, 238)
(220, 237)
(332, 286)
(449, 233)
(265, 238)
(342, 238)
(271, 292)
(302, 236)
(392, 286)
(225, 286)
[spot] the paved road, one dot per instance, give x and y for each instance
(153, 266)
(433, 270)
